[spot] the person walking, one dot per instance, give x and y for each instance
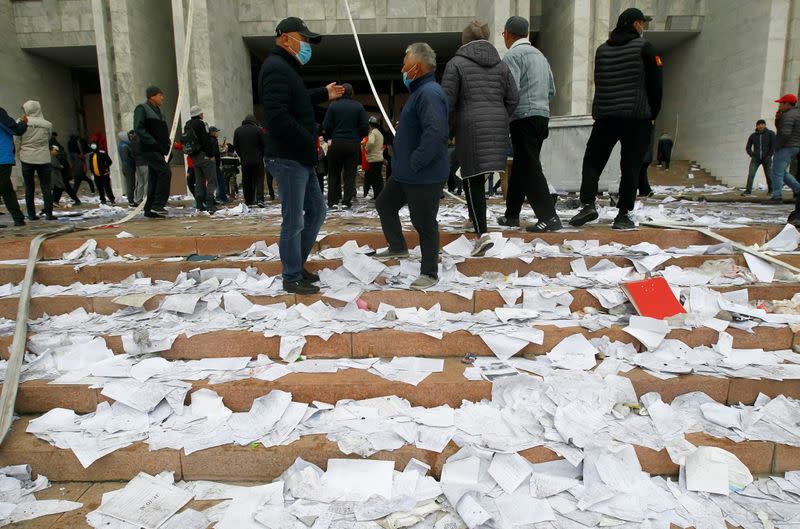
(9, 127)
(249, 142)
(482, 95)
(202, 156)
(100, 166)
(346, 123)
(627, 100)
(78, 149)
(34, 153)
(221, 193)
(374, 149)
(128, 166)
(153, 132)
(760, 146)
(58, 176)
(529, 129)
(787, 146)
(291, 147)
(419, 165)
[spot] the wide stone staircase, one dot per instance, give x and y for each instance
(156, 259)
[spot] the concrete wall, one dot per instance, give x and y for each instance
(41, 23)
(718, 86)
(791, 74)
(24, 76)
(556, 40)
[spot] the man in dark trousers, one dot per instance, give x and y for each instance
(420, 165)
(221, 194)
(291, 148)
(249, 141)
(9, 127)
(202, 155)
(153, 132)
(760, 146)
(627, 99)
(665, 144)
(99, 163)
(346, 123)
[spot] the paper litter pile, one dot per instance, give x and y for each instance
(17, 501)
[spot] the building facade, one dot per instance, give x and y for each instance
(89, 61)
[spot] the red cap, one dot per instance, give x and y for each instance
(788, 98)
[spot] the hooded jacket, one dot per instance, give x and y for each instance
(34, 145)
(420, 145)
(482, 96)
(249, 141)
(9, 128)
(534, 79)
(627, 76)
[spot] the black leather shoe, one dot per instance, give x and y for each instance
(587, 214)
(309, 276)
(300, 287)
(623, 222)
(19, 222)
(153, 215)
(508, 221)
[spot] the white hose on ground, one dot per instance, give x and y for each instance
(372, 86)
(8, 397)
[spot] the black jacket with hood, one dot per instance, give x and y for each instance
(249, 141)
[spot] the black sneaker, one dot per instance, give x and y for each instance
(33, 217)
(50, 217)
(512, 222)
(587, 214)
(300, 287)
(310, 276)
(544, 226)
(623, 222)
(161, 211)
(153, 215)
(19, 222)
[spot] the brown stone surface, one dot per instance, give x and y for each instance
(787, 458)
(746, 390)
(716, 388)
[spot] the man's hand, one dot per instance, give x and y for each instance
(335, 91)
(23, 118)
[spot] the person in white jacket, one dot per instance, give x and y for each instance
(34, 153)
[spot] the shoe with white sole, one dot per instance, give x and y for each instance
(424, 282)
(482, 245)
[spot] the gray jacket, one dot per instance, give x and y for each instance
(34, 145)
(788, 129)
(534, 79)
(482, 95)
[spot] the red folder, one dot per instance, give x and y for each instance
(653, 298)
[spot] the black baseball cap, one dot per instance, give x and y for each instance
(296, 25)
(631, 15)
(214, 129)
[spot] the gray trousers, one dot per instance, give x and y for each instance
(141, 184)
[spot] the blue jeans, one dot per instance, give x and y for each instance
(302, 210)
(780, 171)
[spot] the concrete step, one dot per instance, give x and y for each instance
(156, 269)
(448, 387)
(383, 343)
(169, 246)
(256, 463)
(482, 300)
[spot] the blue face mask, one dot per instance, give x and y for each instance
(304, 55)
(406, 80)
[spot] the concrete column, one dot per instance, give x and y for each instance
(774, 84)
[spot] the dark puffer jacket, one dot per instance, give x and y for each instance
(482, 95)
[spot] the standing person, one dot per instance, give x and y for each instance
(665, 143)
(9, 127)
(100, 165)
(346, 123)
(77, 162)
(220, 182)
(321, 167)
(787, 146)
(249, 141)
(291, 147)
(529, 128)
(420, 165)
(141, 168)
(153, 132)
(374, 148)
(34, 153)
(627, 100)
(201, 152)
(482, 96)
(128, 166)
(760, 146)
(58, 176)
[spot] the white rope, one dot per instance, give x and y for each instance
(374, 91)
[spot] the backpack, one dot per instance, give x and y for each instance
(189, 139)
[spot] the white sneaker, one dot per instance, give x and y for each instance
(482, 245)
(424, 282)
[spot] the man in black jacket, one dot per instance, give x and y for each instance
(153, 132)
(249, 141)
(627, 100)
(291, 147)
(205, 170)
(760, 146)
(347, 123)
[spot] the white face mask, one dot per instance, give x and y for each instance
(93, 146)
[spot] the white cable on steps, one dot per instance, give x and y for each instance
(372, 86)
(8, 396)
